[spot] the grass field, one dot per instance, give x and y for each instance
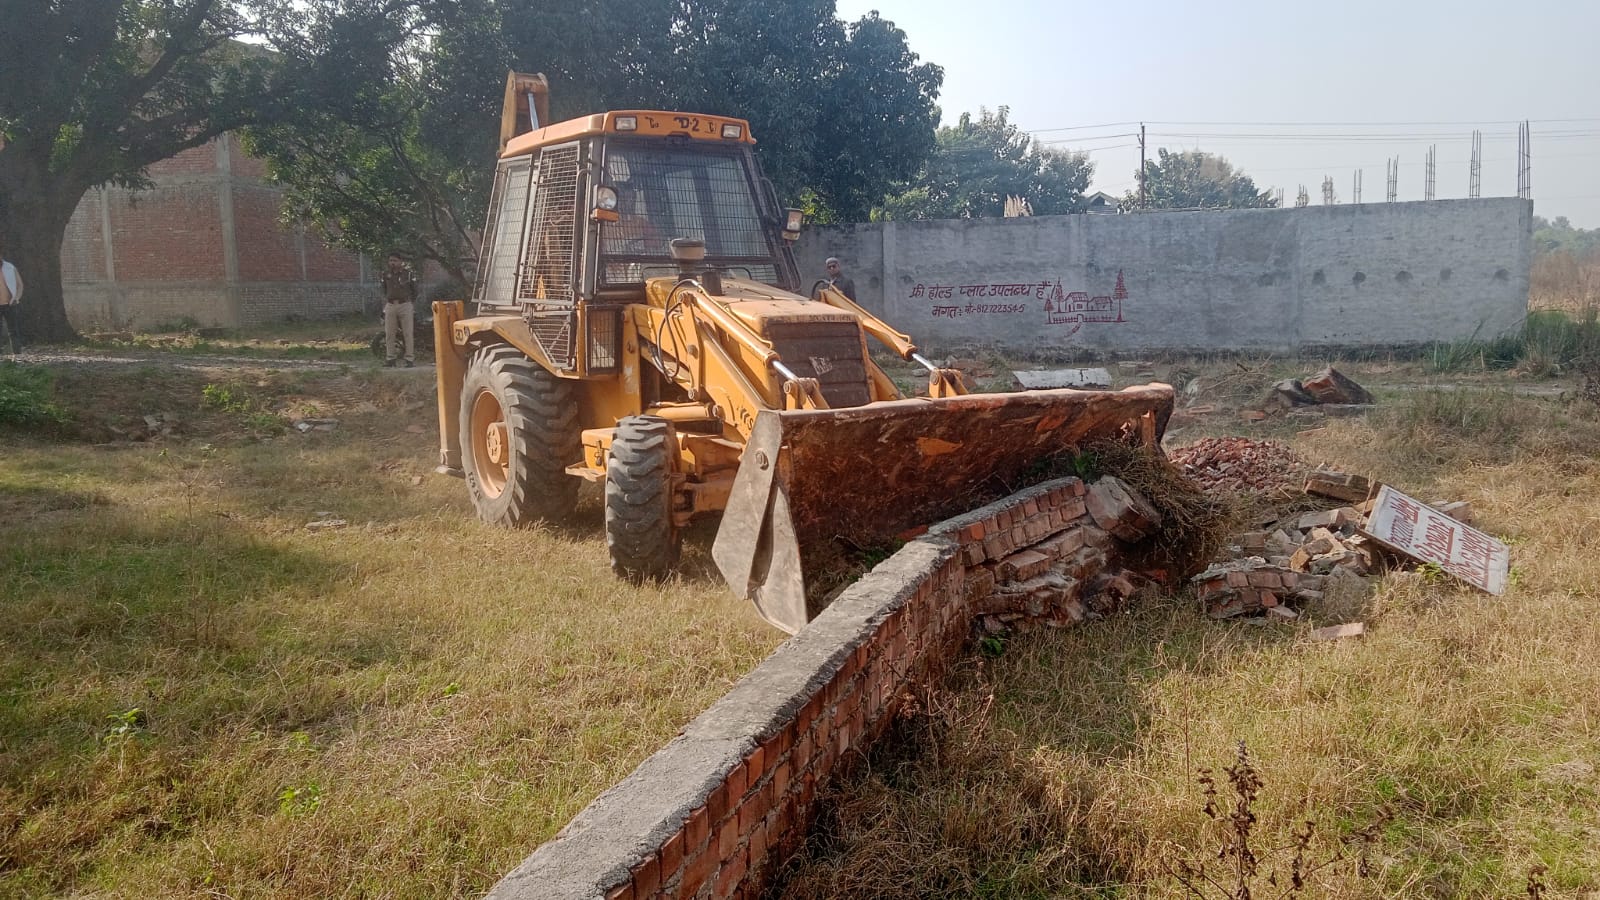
(201, 696)
(1451, 752)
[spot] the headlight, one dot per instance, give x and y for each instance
(733, 132)
(793, 219)
(627, 123)
(605, 197)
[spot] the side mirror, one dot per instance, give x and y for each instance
(792, 220)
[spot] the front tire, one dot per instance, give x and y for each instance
(519, 431)
(640, 535)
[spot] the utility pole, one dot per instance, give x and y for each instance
(1141, 165)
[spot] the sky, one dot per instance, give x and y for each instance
(1290, 92)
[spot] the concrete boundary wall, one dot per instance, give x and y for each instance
(1254, 280)
(723, 805)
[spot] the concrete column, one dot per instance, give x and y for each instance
(891, 285)
(114, 304)
(234, 316)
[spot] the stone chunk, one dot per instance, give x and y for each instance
(1338, 485)
(1332, 386)
(1335, 632)
(1121, 511)
(1022, 565)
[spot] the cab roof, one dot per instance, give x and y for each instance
(647, 123)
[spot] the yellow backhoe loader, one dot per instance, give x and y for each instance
(640, 322)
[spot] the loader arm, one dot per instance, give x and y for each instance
(941, 382)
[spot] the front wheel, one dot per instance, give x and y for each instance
(519, 432)
(640, 535)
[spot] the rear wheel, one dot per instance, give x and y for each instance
(519, 431)
(640, 535)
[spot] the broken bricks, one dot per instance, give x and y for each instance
(1120, 511)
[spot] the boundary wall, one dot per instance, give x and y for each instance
(204, 241)
(1374, 275)
(719, 809)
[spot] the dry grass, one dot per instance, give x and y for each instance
(1463, 730)
(200, 696)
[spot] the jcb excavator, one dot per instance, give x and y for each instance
(640, 322)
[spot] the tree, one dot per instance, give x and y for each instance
(839, 110)
(979, 162)
(397, 157)
(1191, 179)
(403, 158)
(94, 91)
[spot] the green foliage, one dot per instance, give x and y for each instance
(126, 724)
(25, 397)
(217, 397)
(1558, 236)
(979, 162)
(1550, 341)
(300, 801)
(97, 91)
(1192, 179)
(398, 153)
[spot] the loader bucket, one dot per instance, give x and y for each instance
(860, 476)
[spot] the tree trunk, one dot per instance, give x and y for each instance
(34, 211)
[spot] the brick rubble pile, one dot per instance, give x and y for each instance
(1233, 465)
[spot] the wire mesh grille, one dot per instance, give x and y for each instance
(502, 239)
(553, 331)
(665, 193)
(547, 273)
(605, 338)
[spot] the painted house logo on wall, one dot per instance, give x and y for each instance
(1079, 309)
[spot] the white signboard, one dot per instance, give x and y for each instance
(1418, 530)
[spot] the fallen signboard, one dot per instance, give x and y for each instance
(1414, 528)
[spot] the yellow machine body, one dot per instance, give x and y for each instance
(637, 301)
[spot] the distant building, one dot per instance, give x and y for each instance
(206, 245)
(1101, 203)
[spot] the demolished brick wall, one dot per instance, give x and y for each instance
(720, 807)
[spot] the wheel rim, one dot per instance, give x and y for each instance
(491, 447)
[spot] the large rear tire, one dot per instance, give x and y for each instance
(640, 535)
(519, 432)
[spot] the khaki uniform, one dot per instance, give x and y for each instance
(399, 312)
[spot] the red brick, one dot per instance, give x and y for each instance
(621, 893)
(1238, 579)
(1077, 508)
(696, 873)
(728, 837)
(1030, 508)
(1263, 578)
(972, 533)
(758, 841)
(672, 856)
(718, 804)
(732, 875)
(755, 763)
(737, 781)
(696, 831)
(647, 876)
(780, 779)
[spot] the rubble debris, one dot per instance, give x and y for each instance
(1460, 510)
(1250, 586)
(1335, 632)
(1339, 486)
(1122, 512)
(1044, 379)
(1227, 466)
(305, 426)
(1332, 386)
(1291, 393)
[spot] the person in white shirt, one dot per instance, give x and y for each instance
(10, 296)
